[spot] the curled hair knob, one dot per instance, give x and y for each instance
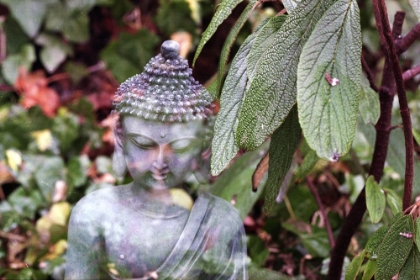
(170, 49)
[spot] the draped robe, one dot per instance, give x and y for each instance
(208, 243)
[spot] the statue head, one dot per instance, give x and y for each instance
(165, 120)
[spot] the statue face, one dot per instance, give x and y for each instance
(160, 155)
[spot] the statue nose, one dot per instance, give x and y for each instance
(160, 162)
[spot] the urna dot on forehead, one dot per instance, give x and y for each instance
(165, 91)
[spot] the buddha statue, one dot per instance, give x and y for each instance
(139, 230)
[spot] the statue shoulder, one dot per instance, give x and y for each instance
(222, 208)
(95, 204)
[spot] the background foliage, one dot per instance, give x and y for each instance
(61, 62)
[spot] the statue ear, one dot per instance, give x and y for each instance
(118, 160)
(201, 167)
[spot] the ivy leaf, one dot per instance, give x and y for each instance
(272, 93)
(415, 4)
(11, 65)
(284, 143)
(353, 268)
(170, 22)
(54, 51)
(227, 46)
(395, 248)
(411, 268)
(223, 11)
(50, 171)
(262, 41)
(327, 107)
(375, 200)
(224, 147)
(29, 13)
(72, 22)
(369, 106)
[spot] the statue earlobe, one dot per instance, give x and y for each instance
(118, 160)
(201, 167)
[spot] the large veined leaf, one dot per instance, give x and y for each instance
(224, 56)
(284, 143)
(290, 5)
(353, 268)
(262, 41)
(272, 93)
(328, 85)
(223, 11)
(415, 4)
(411, 268)
(395, 248)
(224, 147)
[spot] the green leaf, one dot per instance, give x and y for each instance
(315, 242)
(417, 240)
(396, 158)
(173, 16)
(66, 129)
(375, 200)
(24, 202)
(353, 268)
(16, 37)
(415, 4)
(224, 147)
(272, 93)
(29, 13)
(411, 268)
(393, 200)
(308, 163)
(257, 250)
(395, 248)
(290, 5)
(236, 181)
(328, 111)
(266, 274)
(76, 171)
(284, 143)
(54, 51)
(73, 23)
(230, 40)
(263, 40)
(49, 172)
(11, 65)
(127, 56)
(223, 11)
(369, 106)
(416, 136)
(370, 269)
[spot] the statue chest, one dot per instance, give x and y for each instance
(136, 244)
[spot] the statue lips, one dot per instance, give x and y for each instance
(159, 171)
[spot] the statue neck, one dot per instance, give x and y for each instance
(156, 204)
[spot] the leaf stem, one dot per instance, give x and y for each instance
(328, 228)
(391, 53)
(354, 218)
(411, 73)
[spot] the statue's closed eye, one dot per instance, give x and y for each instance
(143, 142)
(182, 145)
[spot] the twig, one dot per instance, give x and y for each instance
(12, 236)
(381, 15)
(322, 210)
(369, 75)
(404, 43)
(411, 73)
